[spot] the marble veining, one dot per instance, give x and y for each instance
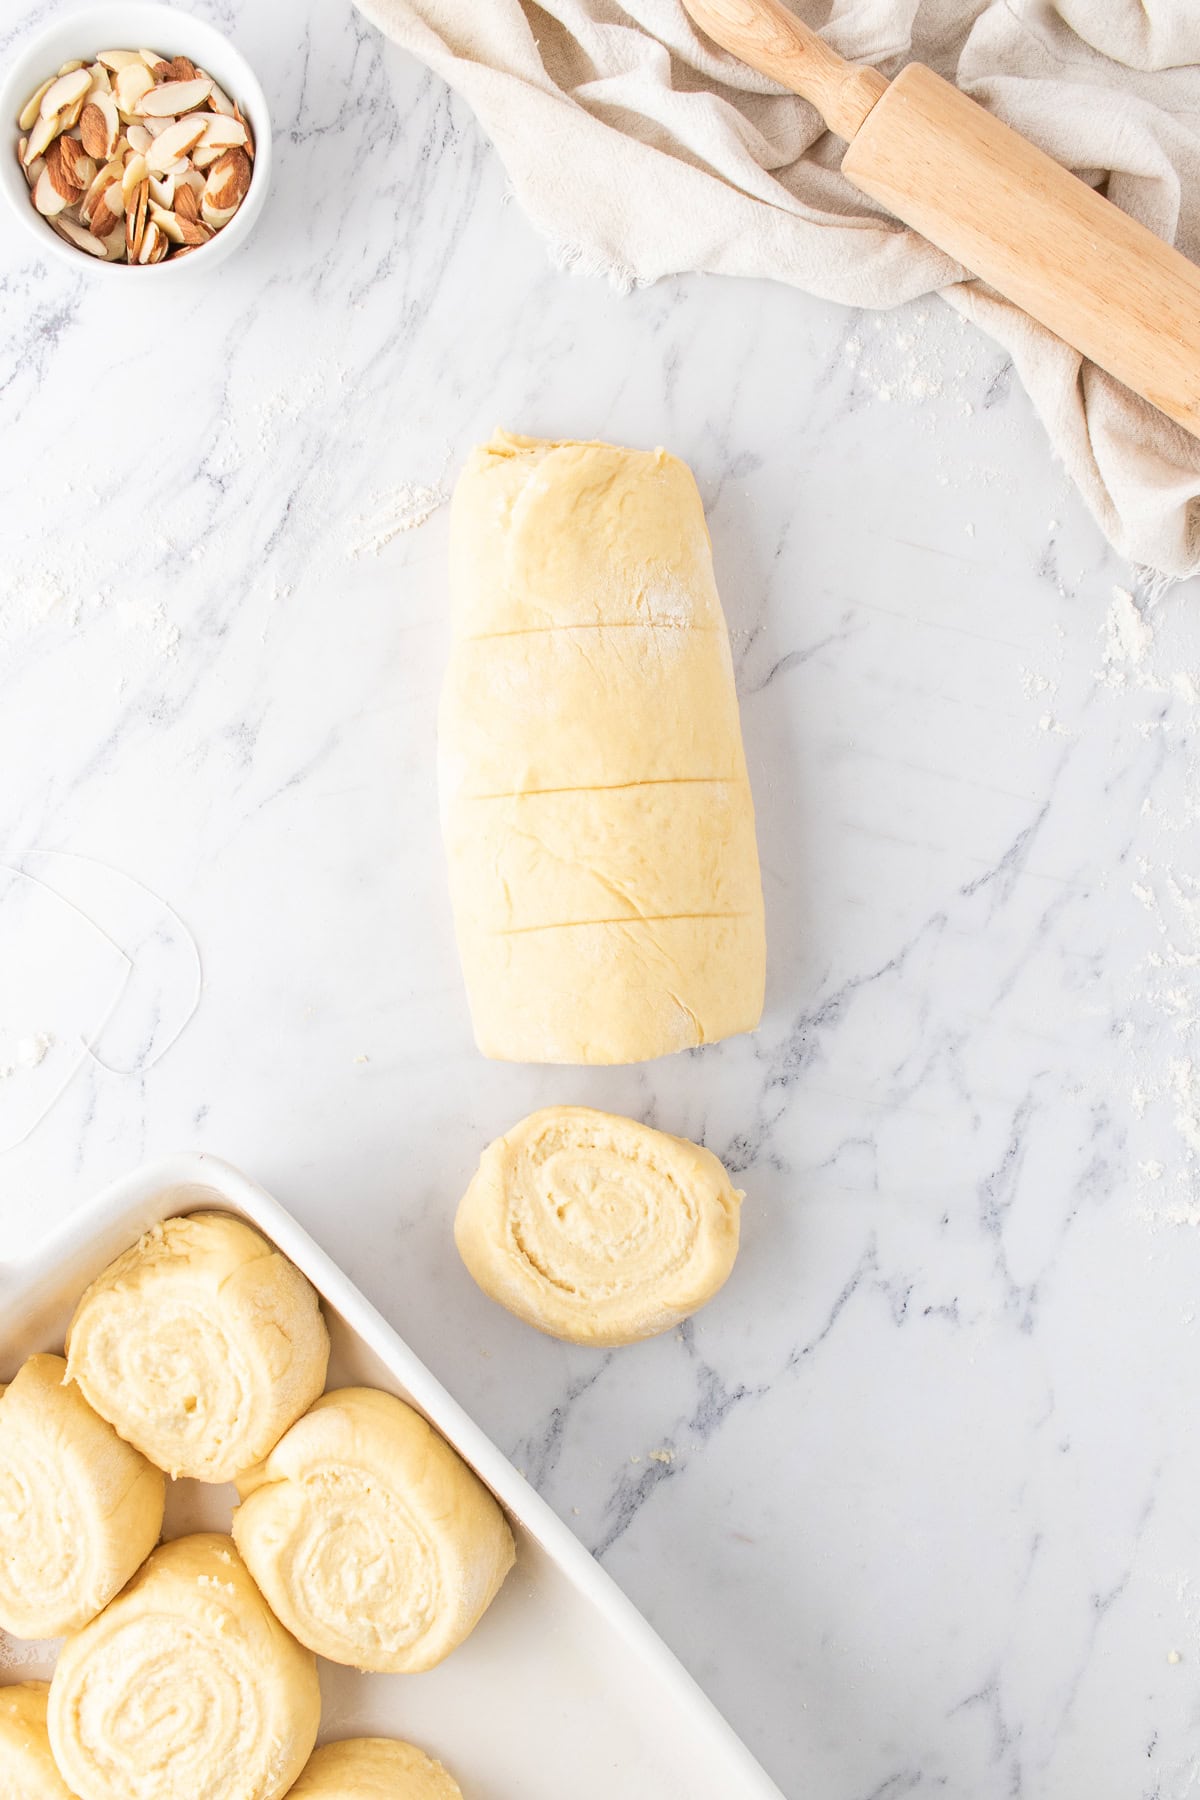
(915, 1498)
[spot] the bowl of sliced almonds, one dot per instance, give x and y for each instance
(139, 139)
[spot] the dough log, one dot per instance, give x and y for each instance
(185, 1687)
(597, 1229)
(28, 1770)
(373, 1541)
(201, 1345)
(374, 1769)
(79, 1509)
(597, 815)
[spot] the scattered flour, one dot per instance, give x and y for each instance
(406, 508)
(30, 1053)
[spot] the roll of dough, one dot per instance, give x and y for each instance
(370, 1537)
(597, 1229)
(374, 1769)
(79, 1509)
(185, 1688)
(28, 1770)
(598, 821)
(201, 1344)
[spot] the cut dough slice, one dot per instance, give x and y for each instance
(185, 1688)
(618, 992)
(583, 709)
(374, 1769)
(28, 1770)
(546, 535)
(201, 1345)
(609, 853)
(371, 1538)
(79, 1509)
(597, 1229)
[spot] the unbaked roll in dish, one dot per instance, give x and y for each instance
(28, 1770)
(374, 1542)
(596, 809)
(79, 1509)
(201, 1345)
(185, 1688)
(598, 1229)
(374, 1769)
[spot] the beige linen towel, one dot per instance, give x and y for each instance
(640, 150)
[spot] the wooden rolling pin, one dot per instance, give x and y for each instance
(985, 195)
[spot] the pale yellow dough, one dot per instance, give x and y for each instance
(79, 1509)
(597, 1229)
(371, 1538)
(27, 1767)
(597, 815)
(201, 1345)
(185, 1688)
(374, 1769)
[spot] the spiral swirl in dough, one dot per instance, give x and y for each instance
(79, 1509)
(27, 1767)
(185, 1688)
(201, 1345)
(371, 1538)
(374, 1769)
(596, 1228)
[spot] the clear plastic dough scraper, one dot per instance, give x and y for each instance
(985, 195)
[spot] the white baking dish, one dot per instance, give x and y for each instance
(563, 1692)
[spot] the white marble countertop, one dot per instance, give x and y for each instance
(927, 1519)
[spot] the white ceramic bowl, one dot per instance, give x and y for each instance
(79, 35)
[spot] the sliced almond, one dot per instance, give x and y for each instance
(46, 196)
(162, 190)
(219, 100)
(139, 138)
(193, 232)
(150, 57)
(136, 208)
(228, 180)
(63, 92)
(154, 245)
(108, 177)
(173, 97)
(167, 223)
(131, 84)
(32, 106)
(41, 137)
(170, 145)
(132, 176)
(184, 69)
(33, 169)
(241, 118)
(223, 133)
(69, 68)
(187, 202)
(216, 216)
(100, 80)
(156, 127)
(78, 167)
(107, 213)
(117, 59)
(75, 234)
(58, 173)
(100, 126)
(162, 70)
(114, 244)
